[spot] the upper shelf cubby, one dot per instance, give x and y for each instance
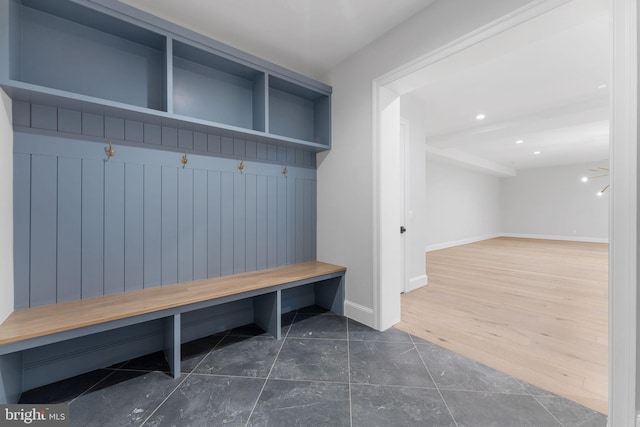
(298, 112)
(214, 88)
(65, 46)
(104, 54)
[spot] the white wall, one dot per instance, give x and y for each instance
(553, 202)
(345, 174)
(462, 206)
(6, 207)
(452, 205)
(411, 110)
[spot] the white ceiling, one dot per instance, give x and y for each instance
(307, 36)
(538, 83)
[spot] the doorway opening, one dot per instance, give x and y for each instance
(396, 83)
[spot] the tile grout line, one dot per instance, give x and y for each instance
(540, 403)
(183, 380)
(210, 351)
(434, 382)
(275, 360)
(278, 379)
(545, 408)
(95, 385)
(164, 400)
(413, 387)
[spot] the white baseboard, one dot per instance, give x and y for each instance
(446, 245)
(359, 313)
(417, 282)
(550, 237)
(452, 244)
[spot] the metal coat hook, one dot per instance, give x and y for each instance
(184, 160)
(241, 166)
(109, 151)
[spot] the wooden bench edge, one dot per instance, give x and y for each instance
(334, 270)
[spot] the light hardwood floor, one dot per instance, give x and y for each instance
(535, 309)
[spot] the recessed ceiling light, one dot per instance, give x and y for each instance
(481, 117)
(536, 153)
(602, 87)
(584, 179)
(519, 141)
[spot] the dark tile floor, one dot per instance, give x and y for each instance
(327, 371)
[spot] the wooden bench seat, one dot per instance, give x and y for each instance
(33, 327)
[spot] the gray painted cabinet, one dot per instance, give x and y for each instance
(82, 73)
(87, 227)
(85, 72)
(88, 55)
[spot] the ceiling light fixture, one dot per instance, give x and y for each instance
(535, 153)
(519, 141)
(602, 87)
(603, 172)
(481, 117)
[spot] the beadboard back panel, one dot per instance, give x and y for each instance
(101, 124)
(87, 226)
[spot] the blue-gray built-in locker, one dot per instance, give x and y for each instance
(88, 225)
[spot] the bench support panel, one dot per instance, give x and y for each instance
(266, 313)
(330, 294)
(171, 327)
(10, 378)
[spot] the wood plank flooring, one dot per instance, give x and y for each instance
(534, 309)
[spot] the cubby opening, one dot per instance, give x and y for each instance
(84, 54)
(213, 88)
(298, 297)
(298, 112)
(63, 45)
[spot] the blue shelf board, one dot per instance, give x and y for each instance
(20, 91)
(293, 89)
